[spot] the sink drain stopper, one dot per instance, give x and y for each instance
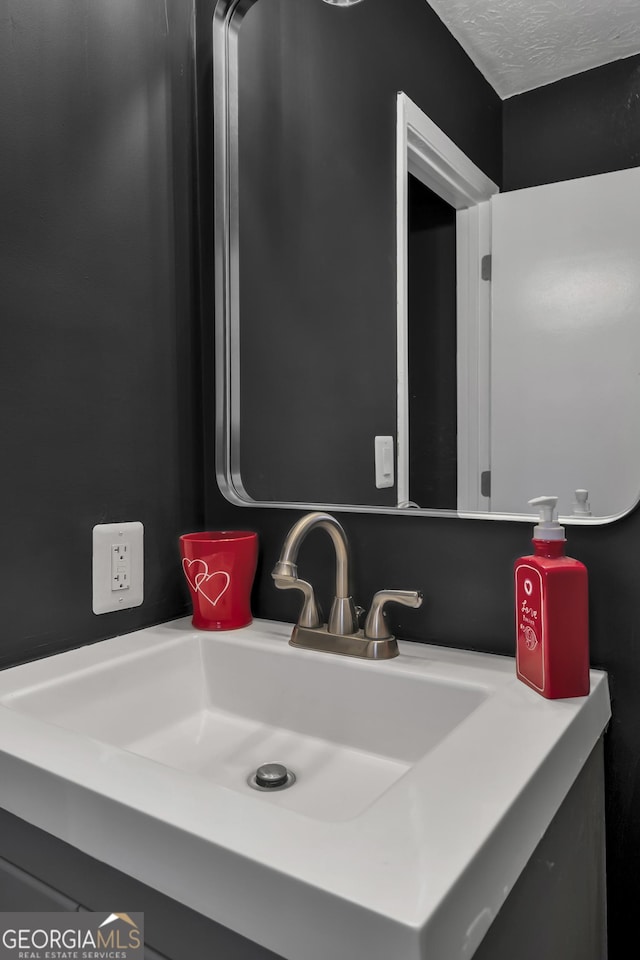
(271, 776)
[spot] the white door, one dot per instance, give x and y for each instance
(565, 344)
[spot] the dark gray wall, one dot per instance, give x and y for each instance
(99, 405)
(317, 186)
(581, 126)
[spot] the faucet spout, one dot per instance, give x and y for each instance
(342, 619)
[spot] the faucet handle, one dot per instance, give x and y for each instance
(376, 626)
(310, 615)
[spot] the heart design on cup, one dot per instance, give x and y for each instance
(201, 581)
(187, 566)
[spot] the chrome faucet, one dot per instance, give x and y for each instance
(342, 633)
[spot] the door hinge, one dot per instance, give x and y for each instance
(485, 483)
(485, 267)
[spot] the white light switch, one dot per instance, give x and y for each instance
(384, 462)
(118, 566)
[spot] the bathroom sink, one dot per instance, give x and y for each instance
(219, 707)
(399, 831)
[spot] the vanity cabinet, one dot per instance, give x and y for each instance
(48, 866)
(21, 891)
(556, 910)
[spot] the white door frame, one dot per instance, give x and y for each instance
(431, 156)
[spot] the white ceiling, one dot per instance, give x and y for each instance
(521, 44)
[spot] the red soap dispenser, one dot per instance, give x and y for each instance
(552, 617)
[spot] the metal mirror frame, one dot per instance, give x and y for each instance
(227, 19)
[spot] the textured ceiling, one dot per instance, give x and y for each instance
(522, 44)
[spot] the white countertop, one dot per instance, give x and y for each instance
(419, 872)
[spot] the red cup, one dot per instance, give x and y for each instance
(219, 566)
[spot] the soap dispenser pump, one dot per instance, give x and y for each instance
(552, 616)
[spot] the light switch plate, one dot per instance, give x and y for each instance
(384, 450)
(118, 583)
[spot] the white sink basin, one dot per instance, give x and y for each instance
(396, 837)
(220, 707)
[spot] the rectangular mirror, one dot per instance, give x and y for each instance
(392, 332)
